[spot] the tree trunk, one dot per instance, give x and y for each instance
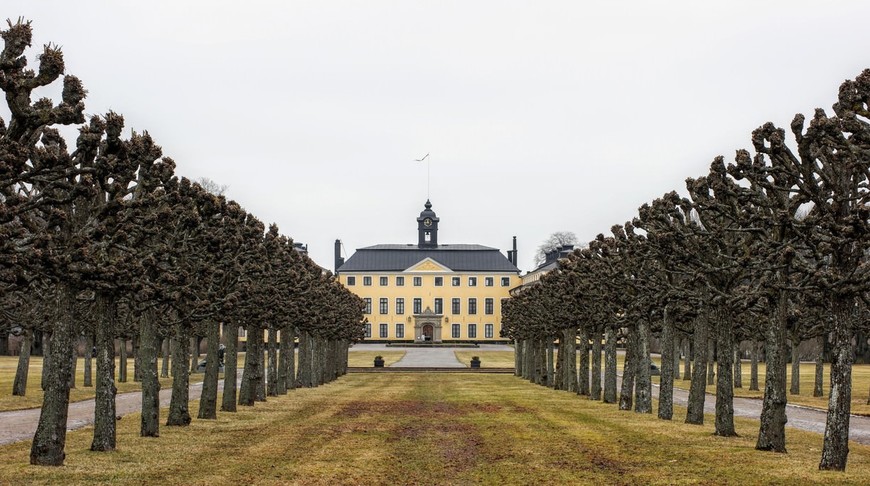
(283, 361)
(595, 385)
(19, 386)
(167, 350)
(738, 367)
(231, 337)
(291, 358)
(105, 429)
(753, 367)
(208, 399)
(771, 433)
(698, 387)
(518, 358)
(148, 347)
(194, 354)
(629, 370)
(835, 449)
(74, 360)
(583, 373)
(272, 389)
(122, 360)
(690, 356)
(795, 388)
(609, 365)
(47, 448)
(677, 347)
(724, 420)
(248, 390)
(137, 365)
(711, 361)
(567, 373)
(179, 406)
(551, 379)
(89, 356)
(46, 359)
(669, 363)
(261, 384)
(818, 388)
(643, 387)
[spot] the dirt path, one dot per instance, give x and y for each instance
(19, 425)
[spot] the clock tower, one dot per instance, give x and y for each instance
(427, 228)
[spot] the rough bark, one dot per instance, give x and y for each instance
(643, 386)
(19, 386)
(167, 350)
(47, 448)
(583, 373)
(724, 419)
(137, 365)
(105, 429)
(208, 399)
(551, 378)
(272, 389)
(283, 361)
(89, 356)
(148, 349)
(122, 360)
(46, 359)
(179, 406)
(629, 370)
(609, 365)
(818, 385)
(795, 388)
(194, 354)
(74, 360)
(690, 356)
(231, 338)
(835, 449)
(669, 364)
(711, 361)
(595, 385)
(291, 358)
(248, 389)
(518, 358)
(771, 433)
(738, 367)
(261, 384)
(753, 367)
(677, 347)
(698, 387)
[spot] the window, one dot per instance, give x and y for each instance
(400, 281)
(439, 281)
(488, 281)
(368, 301)
(351, 281)
(439, 306)
(368, 329)
(455, 331)
(455, 306)
(418, 306)
(385, 306)
(472, 281)
(505, 281)
(472, 306)
(367, 281)
(487, 330)
(418, 281)
(400, 305)
(456, 281)
(384, 330)
(400, 331)
(488, 306)
(385, 281)
(472, 331)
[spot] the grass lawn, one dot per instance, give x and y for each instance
(33, 395)
(860, 379)
(403, 428)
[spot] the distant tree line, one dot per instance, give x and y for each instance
(770, 248)
(101, 244)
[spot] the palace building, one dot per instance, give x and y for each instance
(430, 292)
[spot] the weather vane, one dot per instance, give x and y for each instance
(428, 173)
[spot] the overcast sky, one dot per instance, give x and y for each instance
(538, 116)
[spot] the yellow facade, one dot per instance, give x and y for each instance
(479, 306)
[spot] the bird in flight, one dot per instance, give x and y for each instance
(421, 160)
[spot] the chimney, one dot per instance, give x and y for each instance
(339, 261)
(515, 260)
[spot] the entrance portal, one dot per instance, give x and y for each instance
(427, 333)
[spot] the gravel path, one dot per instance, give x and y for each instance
(427, 358)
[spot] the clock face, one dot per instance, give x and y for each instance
(427, 222)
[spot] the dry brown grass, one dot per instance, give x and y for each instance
(366, 359)
(402, 428)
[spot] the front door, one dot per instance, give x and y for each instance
(427, 333)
